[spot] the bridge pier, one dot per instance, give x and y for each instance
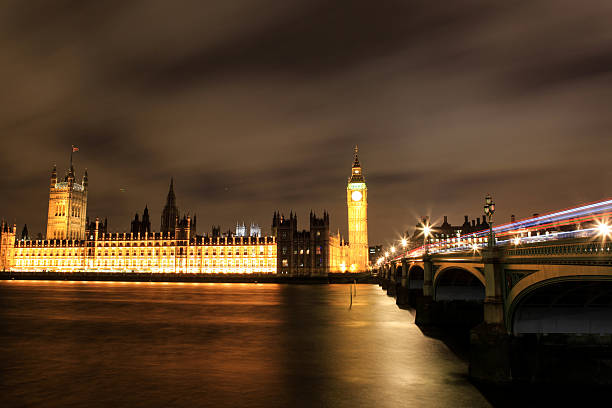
(425, 313)
(490, 343)
(384, 283)
(403, 295)
(392, 280)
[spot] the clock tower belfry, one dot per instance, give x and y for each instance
(357, 202)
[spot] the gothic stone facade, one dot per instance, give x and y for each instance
(155, 253)
(67, 206)
(316, 252)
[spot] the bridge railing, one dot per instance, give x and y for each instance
(574, 248)
(565, 249)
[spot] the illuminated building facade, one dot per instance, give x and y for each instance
(316, 252)
(170, 217)
(375, 252)
(357, 202)
(255, 230)
(338, 254)
(241, 230)
(128, 252)
(67, 206)
(302, 253)
(71, 246)
(444, 231)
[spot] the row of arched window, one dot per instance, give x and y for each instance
(60, 211)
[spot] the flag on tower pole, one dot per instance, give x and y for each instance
(74, 149)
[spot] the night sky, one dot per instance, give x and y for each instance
(254, 106)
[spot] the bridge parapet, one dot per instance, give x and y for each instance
(573, 252)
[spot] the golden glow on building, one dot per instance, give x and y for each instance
(338, 254)
(67, 206)
(357, 202)
(68, 249)
(155, 253)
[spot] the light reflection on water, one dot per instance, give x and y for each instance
(206, 344)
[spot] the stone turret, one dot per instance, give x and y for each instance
(67, 211)
(170, 212)
(53, 177)
(7, 245)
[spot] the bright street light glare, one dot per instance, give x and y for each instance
(604, 229)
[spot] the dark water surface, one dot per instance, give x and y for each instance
(113, 344)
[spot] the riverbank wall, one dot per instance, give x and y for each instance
(188, 277)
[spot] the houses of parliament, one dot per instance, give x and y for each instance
(72, 244)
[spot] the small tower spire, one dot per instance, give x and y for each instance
(85, 180)
(356, 173)
(171, 200)
(53, 176)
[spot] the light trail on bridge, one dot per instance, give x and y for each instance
(522, 231)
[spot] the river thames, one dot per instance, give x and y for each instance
(102, 344)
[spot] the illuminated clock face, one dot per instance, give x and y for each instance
(356, 195)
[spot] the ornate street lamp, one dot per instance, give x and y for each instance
(489, 209)
(426, 232)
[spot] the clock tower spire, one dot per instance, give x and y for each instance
(357, 202)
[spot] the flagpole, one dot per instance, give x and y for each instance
(69, 196)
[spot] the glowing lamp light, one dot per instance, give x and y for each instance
(516, 241)
(392, 249)
(604, 230)
(474, 247)
(386, 254)
(404, 242)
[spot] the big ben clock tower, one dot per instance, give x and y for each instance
(357, 202)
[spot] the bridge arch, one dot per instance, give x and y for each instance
(561, 301)
(415, 278)
(458, 282)
(398, 272)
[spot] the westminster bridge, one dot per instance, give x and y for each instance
(533, 303)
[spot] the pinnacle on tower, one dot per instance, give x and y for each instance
(356, 173)
(170, 212)
(53, 175)
(85, 179)
(356, 157)
(171, 196)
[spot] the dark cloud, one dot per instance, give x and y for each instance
(567, 72)
(320, 37)
(254, 106)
